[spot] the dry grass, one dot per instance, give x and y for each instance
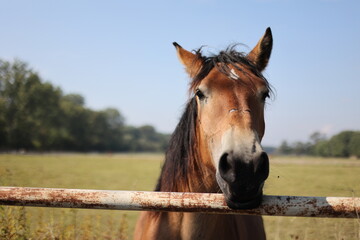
(300, 176)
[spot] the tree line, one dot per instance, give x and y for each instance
(343, 144)
(37, 116)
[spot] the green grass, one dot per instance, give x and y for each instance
(313, 177)
(107, 172)
(289, 176)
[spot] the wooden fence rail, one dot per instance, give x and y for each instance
(344, 207)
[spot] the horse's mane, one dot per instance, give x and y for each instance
(182, 161)
(181, 157)
(221, 61)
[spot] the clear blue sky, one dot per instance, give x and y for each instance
(119, 54)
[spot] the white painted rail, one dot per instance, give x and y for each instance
(343, 207)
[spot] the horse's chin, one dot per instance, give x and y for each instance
(237, 197)
(248, 203)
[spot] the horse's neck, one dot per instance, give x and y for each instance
(202, 179)
(206, 180)
(202, 226)
(190, 173)
(187, 226)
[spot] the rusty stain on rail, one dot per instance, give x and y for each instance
(344, 207)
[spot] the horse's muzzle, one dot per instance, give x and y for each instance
(242, 180)
(244, 200)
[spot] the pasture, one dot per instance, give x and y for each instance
(288, 176)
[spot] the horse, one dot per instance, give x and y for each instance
(216, 146)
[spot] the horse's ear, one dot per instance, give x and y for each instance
(261, 53)
(191, 61)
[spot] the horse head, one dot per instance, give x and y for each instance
(230, 93)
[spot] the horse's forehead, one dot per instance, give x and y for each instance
(217, 80)
(236, 80)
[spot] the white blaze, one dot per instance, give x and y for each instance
(233, 74)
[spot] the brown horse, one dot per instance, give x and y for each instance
(216, 146)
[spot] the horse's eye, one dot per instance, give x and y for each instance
(265, 95)
(199, 94)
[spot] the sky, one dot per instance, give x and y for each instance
(120, 54)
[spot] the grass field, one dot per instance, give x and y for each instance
(289, 176)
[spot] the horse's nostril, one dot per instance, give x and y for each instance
(224, 164)
(236, 169)
(226, 169)
(263, 165)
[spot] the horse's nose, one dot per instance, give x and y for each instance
(254, 170)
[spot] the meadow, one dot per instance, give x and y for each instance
(303, 176)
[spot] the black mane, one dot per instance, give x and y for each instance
(181, 149)
(229, 57)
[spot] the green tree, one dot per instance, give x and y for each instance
(284, 148)
(354, 145)
(106, 130)
(317, 137)
(35, 115)
(29, 108)
(344, 144)
(76, 122)
(300, 148)
(75, 99)
(339, 144)
(321, 148)
(144, 139)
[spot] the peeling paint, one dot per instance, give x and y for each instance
(341, 207)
